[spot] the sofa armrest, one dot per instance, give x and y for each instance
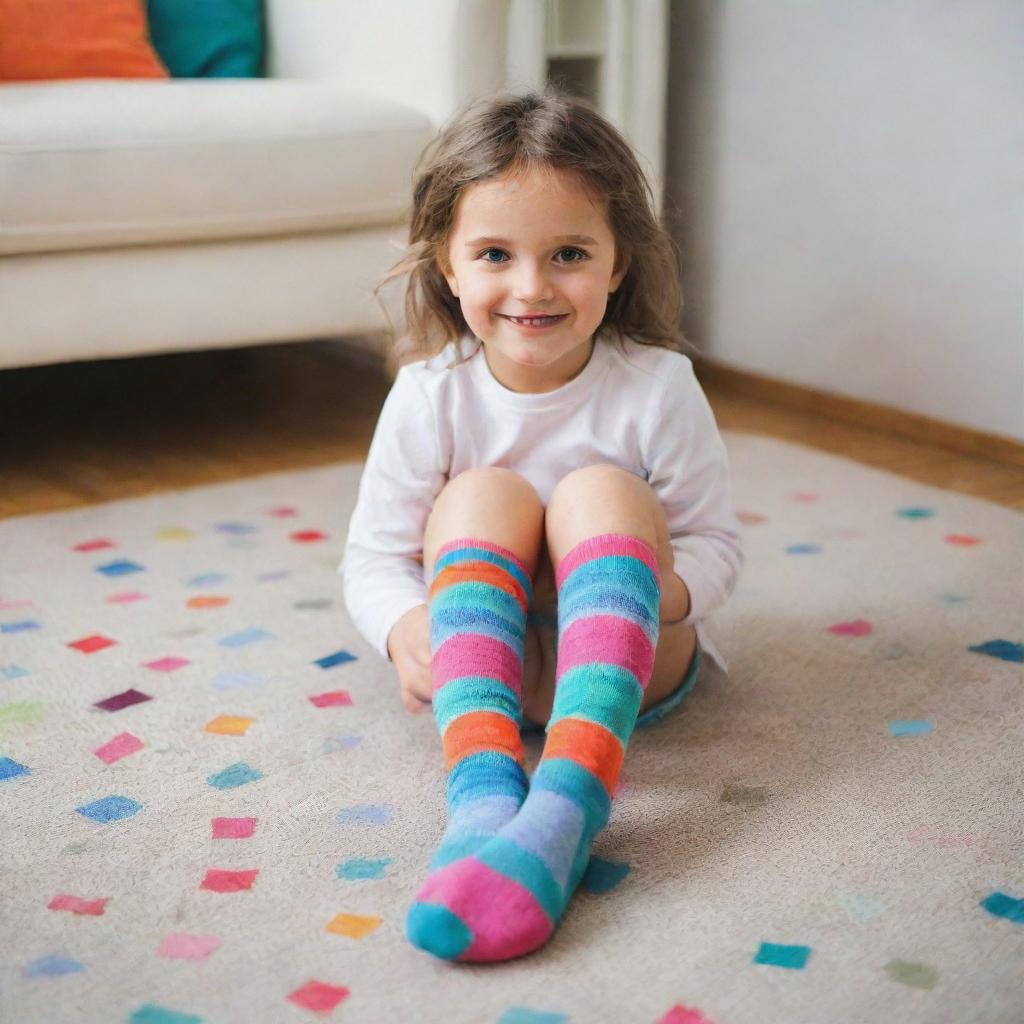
(433, 55)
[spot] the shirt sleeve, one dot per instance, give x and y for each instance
(688, 469)
(382, 569)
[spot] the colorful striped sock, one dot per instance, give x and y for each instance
(511, 894)
(478, 602)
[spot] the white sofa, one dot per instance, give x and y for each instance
(142, 216)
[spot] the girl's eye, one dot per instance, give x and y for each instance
(578, 254)
(575, 255)
(484, 255)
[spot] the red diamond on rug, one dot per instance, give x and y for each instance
(318, 996)
(91, 644)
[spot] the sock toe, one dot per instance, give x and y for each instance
(437, 930)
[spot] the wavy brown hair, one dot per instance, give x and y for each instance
(507, 134)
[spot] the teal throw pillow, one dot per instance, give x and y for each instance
(209, 38)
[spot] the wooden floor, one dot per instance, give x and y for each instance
(76, 434)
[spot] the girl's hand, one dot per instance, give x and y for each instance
(409, 647)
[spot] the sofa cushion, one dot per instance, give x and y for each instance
(97, 164)
(42, 39)
(208, 38)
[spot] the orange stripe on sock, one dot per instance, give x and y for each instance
(478, 731)
(479, 572)
(588, 744)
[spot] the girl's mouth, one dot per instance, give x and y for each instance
(536, 322)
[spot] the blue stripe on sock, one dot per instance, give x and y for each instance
(608, 598)
(616, 566)
(448, 622)
(599, 692)
(474, 693)
(472, 554)
(570, 779)
(487, 773)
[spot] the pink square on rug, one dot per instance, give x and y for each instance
(126, 598)
(681, 1015)
(858, 627)
(169, 664)
(94, 545)
(333, 699)
(90, 908)
(318, 996)
(179, 946)
(233, 828)
(962, 540)
(217, 880)
(120, 746)
(90, 644)
(283, 512)
(308, 536)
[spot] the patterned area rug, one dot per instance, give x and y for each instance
(213, 808)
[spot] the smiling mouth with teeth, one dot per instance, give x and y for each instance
(536, 321)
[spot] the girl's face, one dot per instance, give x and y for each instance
(532, 261)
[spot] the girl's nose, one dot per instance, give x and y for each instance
(531, 284)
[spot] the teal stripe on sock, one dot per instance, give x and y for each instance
(474, 693)
(617, 566)
(472, 554)
(572, 780)
(455, 847)
(512, 861)
(477, 594)
(603, 693)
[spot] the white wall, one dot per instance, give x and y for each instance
(847, 176)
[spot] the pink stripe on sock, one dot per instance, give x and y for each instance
(504, 917)
(471, 654)
(468, 542)
(608, 639)
(607, 544)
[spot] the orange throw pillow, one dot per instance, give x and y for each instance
(41, 39)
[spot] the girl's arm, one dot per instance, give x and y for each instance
(689, 471)
(382, 568)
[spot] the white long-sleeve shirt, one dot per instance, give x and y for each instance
(632, 405)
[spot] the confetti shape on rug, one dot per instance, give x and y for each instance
(915, 513)
(857, 627)
(94, 545)
(1000, 905)
(804, 496)
(76, 905)
(119, 568)
(21, 626)
(337, 658)
(751, 518)
(127, 597)
(314, 604)
(234, 680)
(793, 957)
(318, 996)
(173, 533)
(803, 549)
(682, 1015)
(52, 966)
(180, 946)
(233, 828)
(13, 672)
(335, 743)
(914, 975)
(862, 906)
(110, 808)
(1006, 650)
(353, 926)
(524, 1015)
(273, 577)
(21, 712)
(236, 529)
(207, 601)
(359, 868)
(120, 746)
(10, 769)
(151, 1013)
(961, 540)
(283, 512)
(603, 875)
(910, 727)
(122, 700)
(167, 664)
(333, 699)
(244, 637)
(308, 536)
(365, 814)
(91, 644)
(218, 880)
(235, 775)
(229, 725)
(206, 579)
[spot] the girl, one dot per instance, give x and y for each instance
(545, 517)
